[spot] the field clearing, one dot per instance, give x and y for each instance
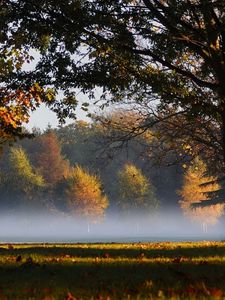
(165, 270)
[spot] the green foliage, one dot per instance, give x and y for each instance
(25, 177)
(78, 142)
(135, 51)
(23, 183)
(136, 194)
(92, 146)
(167, 270)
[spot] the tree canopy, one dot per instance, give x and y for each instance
(135, 192)
(49, 160)
(22, 181)
(84, 195)
(168, 53)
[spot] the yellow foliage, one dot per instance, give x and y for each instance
(85, 197)
(23, 177)
(135, 190)
(133, 181)
(194, 190)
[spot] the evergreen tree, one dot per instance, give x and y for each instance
(195, 190)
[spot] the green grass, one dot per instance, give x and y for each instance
(113, 271)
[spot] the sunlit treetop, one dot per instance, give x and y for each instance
(84, 195)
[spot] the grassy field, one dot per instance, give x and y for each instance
(113, 271)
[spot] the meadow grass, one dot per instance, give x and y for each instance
(167, 270)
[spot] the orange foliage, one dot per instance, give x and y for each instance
(15, 108)
(49, 161)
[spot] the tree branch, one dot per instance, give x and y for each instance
(198, 81)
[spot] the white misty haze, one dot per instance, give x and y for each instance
(51, 228)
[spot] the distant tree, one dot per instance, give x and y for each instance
(180, 139)
(121, 125)
(136, 193)
(96, 146)
(77, 141)
(194, 190)
(49, 160)
(23, 180)
(84, 195)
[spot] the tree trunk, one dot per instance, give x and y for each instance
(223, 133)
(88, 227)
(204, 227)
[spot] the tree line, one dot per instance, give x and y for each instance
(85, 171)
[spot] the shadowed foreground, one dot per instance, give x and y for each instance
(113, 271)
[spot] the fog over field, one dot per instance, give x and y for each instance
(50, 228)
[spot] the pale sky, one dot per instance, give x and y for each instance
(41, 118)
(44, 116)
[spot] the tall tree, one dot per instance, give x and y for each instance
(23, 180)
(194, 190)
(49, 160)
(78, 142)
(84, 195)
(136, 193)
